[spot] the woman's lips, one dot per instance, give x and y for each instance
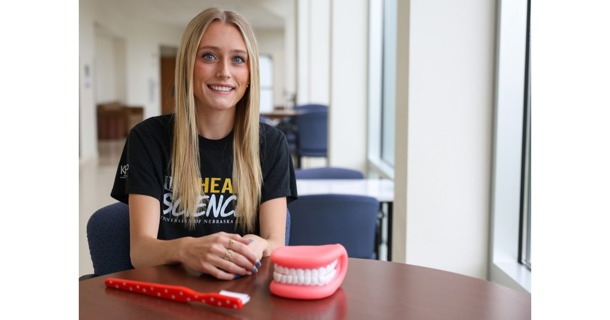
(221, 88)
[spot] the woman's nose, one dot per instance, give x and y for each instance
(223, 70)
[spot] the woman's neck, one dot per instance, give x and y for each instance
(215, 124)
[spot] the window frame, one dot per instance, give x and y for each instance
(377, 165)
(525, 245)
(508, 199)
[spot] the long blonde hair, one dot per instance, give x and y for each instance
(247, 173)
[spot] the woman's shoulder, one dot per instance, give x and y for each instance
(157, 130)
(270, 134)
(155, 125)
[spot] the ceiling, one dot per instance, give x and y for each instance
(180, 12)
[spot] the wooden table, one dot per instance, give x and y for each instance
(381, 189)
(372, 289)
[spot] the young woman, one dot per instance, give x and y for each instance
(208, 185)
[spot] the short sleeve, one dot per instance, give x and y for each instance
(278, 170)
(143, 163)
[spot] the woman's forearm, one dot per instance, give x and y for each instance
(151, 252)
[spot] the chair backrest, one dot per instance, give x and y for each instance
(312, 133)
(310, 107)
(108, 238)
(266, 120)
(328, 173)
(335, 218)
(289, 129)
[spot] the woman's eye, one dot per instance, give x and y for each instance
(207, 56)
(238, 59)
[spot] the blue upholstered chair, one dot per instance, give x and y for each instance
(312, 135)
(108, 238)
(302, 108)
(335, 218)
(328, 173)
(289, 128)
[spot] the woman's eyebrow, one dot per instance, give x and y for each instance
(239, 51)
(214, 48)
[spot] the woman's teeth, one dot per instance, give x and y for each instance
(224, 89)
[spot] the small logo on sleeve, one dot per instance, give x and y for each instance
(123, 170)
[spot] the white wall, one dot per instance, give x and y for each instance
(348, 84)
(313, 56)
(287, 10)
(271, 42)
(110, 69)
(87, 124)
(444, 118)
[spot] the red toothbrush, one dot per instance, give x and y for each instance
(223, 299)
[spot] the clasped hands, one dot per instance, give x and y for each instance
(224, 255)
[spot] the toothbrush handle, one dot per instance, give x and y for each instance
(174, 293)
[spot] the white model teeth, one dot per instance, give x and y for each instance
(306, 277)
(224, 89)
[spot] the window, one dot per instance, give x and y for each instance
(510, 259)
(382, 86)
(525, 256)
(388, 97)
(266, 75)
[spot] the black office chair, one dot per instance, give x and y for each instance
(335, 218)
(328, 173)
(108, 238)
(312, 135)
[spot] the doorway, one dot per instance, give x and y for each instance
(168, 67)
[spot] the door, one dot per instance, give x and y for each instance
(168, 66)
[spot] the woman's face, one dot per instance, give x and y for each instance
(221, 73)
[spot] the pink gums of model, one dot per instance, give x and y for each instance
(308, 272)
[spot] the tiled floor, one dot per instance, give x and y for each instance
(96, 178)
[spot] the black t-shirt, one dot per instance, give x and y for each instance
(144, 168)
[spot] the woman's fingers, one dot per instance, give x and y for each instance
(240, 246)
(229, 257)
(226, 256)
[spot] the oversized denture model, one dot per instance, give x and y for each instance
(308, 272)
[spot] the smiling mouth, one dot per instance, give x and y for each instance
(221, 88)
